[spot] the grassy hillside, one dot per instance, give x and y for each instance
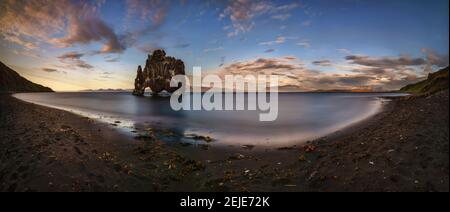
(436, 82)
(11, 81)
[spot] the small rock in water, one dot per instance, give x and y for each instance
(248, 147)
(237, 156)
(207, 139)
(286, 148)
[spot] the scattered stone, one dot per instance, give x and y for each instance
(237, 156)
(286, 148)
(248, 147)
(312, 175)
(65, 127)
(309, 148)
(77, 150)
(302, 158)
(207, 139)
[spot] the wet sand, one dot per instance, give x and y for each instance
(404, 148)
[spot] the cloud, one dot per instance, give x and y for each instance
(71, 55)
(151, 13)
(27, 23)
(112, 60)
(106, 75)
(83, 65)
(49, 70)
(358, 72)
(322, 63)
(344, 51)
(287, 7)
(434, 60)
(304, 44)
(182, 45)
(345, 80)
(281, 17)
(395, 72)
(86, 27)
(72, 60)
(20, 41)
(26, 52)
(289, 69)
(242, 13)
(149, 10)
(222, 61)
(149, 47)
(61, 23)
(262, 65)
(278, 40)
(385, 62)
(269, 50)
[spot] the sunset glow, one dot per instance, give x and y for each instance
(312, 45)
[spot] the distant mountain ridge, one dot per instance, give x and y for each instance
(106, 90)
(11, 81)
(435, 82)
(345, 91)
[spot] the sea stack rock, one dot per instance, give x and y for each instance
(157, 74)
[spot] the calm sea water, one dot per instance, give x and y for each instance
(302, 116)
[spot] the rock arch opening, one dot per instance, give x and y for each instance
(157, 73)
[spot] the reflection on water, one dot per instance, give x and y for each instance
(302, 116)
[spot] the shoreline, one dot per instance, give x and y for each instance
(386, 107)
(147, 164)
(206, 136)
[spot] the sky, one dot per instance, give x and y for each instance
(72, 45)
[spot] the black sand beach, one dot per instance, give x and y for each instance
(403, 148)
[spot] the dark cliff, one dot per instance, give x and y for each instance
(435, 82)
(11, 81)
